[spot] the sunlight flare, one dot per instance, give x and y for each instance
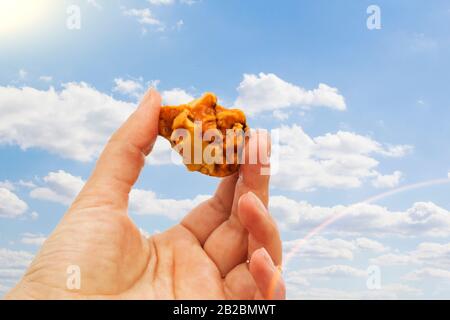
(19, 15)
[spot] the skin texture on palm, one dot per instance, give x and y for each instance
(203, 257)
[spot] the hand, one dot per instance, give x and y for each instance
(203, 257)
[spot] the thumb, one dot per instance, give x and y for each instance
(120, 163)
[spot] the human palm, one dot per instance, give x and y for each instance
(226, 248)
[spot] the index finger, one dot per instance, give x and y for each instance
(120, 163)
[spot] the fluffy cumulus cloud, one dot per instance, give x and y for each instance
(62, 187)
(390, 291)
(370, 245)
(319, 248)
(332, 271)
(428, 254)
(33, 118)
(12, 266)
(393, 259)
(46, 78)
(143, 16)
(128, 87)
(135, 88)
(387, 181)
(267, 92)
(340, 160)
(426, 263)
(14, 259)
(146, 17)
(326, 282)
(7, 185)
(161, 2)
(176, 96)
(95, 4)
(11, 206)
(422, 219)
(34, 239)
(74, 123)
(428, 274)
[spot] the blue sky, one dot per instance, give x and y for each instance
(380, 123)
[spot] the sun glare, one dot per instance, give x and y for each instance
(20, 15)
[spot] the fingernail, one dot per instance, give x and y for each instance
(147, 96)
(257, 202)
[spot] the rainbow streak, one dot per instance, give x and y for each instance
(276, 278)
(370, 200)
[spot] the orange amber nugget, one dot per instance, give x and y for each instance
(209, 121)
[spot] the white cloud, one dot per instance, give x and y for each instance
(436, 254)
(74, 123)
(387, 181)
(46, 78)
(280, 115)
(11, 206)
(26, 184)
(426, 253)
(60, 187)
(161, 2)
(390, 291)
(266, 92)
(23, 74)
(323, 248)
(3, 289)
(294, 278)
(33, 239)
(128, 87)
(393, 259)
(340, 160)
(144, 233)
(144, 16)
(10, 274)
(12, 267)
(95, 4)
(371, 245)
(397, 151)
(7, 185)
(163, 153)
(14, 259)
(176, 96)
(422, 219)
(398, 289)
(315, 293)
(179, 24)
(332, 271)
(33, 118)
(427, 274)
